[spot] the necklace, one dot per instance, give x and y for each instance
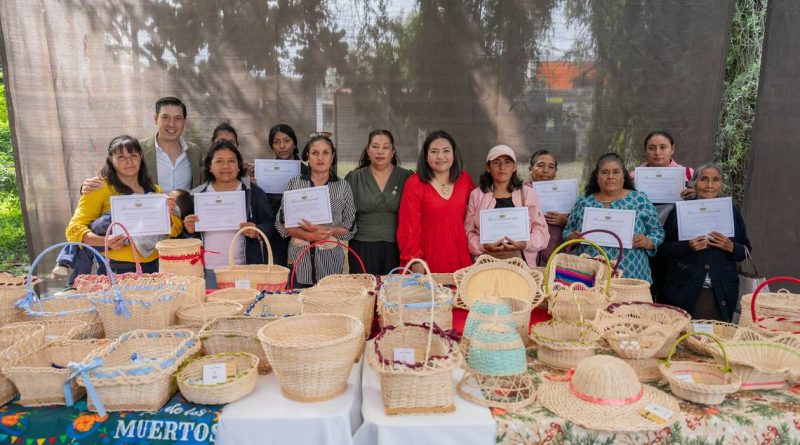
(443, 188)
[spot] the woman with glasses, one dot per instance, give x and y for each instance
(123, 173)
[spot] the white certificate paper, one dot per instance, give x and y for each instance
(219, 210)
(557, 196)
(621, 222)
(142, 215)
(511, 222)
(312, 204)
(702, 216)
(272, 175)
(663, 185)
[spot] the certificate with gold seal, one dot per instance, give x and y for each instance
(312, 204)
(142, 215)
(513, 223)
(702, 216)
(219, 210)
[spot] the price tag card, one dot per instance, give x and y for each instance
(706, 328)
(405, 355)
(657, 413)
(685, 377)
(242, 284)
(214, 373)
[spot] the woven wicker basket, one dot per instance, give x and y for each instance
(355, 280)
(489, 310)
(197, 315)
(631, 337)
(407, 298)
(563, 344)
(195, 290)
(646, 369)
(12, 289)
(703, 383)
(58, 330)
(134, 373)
(275, 304)
(630, 289)
(426, 385)
(337, 299)
(235, 334)
(271, 277)
(778, 312)
(312, 355)
(190, 379)
(150, 306)
(672, 318)
(68, 306)
(704, 345)
(15, 343)
(40, 375)
(497, 277)
(242, 296)
(762, 362)
(183, 257)
(576, 301)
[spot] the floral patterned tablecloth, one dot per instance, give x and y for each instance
(746, 417)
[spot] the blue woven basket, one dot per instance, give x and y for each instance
(497, 350)
(483, 311)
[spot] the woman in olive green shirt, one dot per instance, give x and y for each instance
(377, 186)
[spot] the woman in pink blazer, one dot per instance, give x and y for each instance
(500, 187)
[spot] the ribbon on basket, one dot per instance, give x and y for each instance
(82, 370)
(759, 320)
(193, 258)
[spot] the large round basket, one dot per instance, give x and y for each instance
(40, 375)
(762, 362)
(12, 289)
(422, 383)
(672, 318)
(704, 383)
(268, 276)
(181, 256)
(781, 310)
(630, 289)
(235, 334)
(197, 315)
(312, 355)
(245, 297)
(190, 379)
(631, 337)
(502, 278)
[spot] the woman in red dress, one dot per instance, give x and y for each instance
(433, 208)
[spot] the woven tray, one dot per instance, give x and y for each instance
(496, 277)
(190, 379)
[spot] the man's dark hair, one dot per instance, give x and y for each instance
(169, 100)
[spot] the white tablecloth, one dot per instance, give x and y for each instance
(266, 417)
(468, 424)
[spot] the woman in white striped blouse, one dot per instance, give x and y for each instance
(326, 259)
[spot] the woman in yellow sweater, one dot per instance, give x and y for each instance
(124, 173)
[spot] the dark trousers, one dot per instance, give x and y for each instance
(379, 257)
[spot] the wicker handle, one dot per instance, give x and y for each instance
(242, 230)
(130, 239)
(616, 237)
(725, 368)
(315, 244)
(433, 303)
(569, 243)
(758, 320)
(29, 280)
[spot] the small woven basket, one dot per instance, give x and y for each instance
(190, 379)
(631, 337)
(489, 310)
(40, 375)
(197, 315)
(235, 334)
(762, 362)
(703, 383)
(779, 311)
(630, 289)
(15, 343)
(312, 355)
(134, 373)
(426, 384)
(702, 344)
(498, 277)
(646, 368)
(671, 318)
(563, 344)
(183, 257)
(521, 313)
(58, 330)
(139, 307)
(275, 304)
(334, 299)
(12, 289)
(195, 290)
(242, 296)
(271, 277)
(414, 290)
(577, 301)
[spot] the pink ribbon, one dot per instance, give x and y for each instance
(606, 402)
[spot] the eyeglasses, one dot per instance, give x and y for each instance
(325, 134)
(133, 157)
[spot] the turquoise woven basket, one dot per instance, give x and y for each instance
(497, 350)
(483, 311)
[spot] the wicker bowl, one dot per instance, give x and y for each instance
(562, 344)
(190, 379)
(237, 295)
(235, 334)
(197, 315)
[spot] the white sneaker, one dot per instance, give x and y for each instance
(61, 271)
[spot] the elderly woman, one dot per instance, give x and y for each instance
(377, 186)
(701, 272)
(434, 206)
(500, 187)
(224, 172)
(610, 187)
(543, 167)
(325, 259)
(124, 173)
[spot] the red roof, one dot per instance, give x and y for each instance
(561, 75)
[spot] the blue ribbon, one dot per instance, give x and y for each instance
(120, 308)
(82, 369)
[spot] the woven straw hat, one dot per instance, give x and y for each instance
(605, 394)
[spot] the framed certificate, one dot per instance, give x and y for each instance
(511, 222)
(312, 204)
(663, 185)
(621, 222)
(219, 210)
(702, 216)
(272, 175)
(557, 196)
(142, 215)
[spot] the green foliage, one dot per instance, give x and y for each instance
(742, 69)
(13, 247)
